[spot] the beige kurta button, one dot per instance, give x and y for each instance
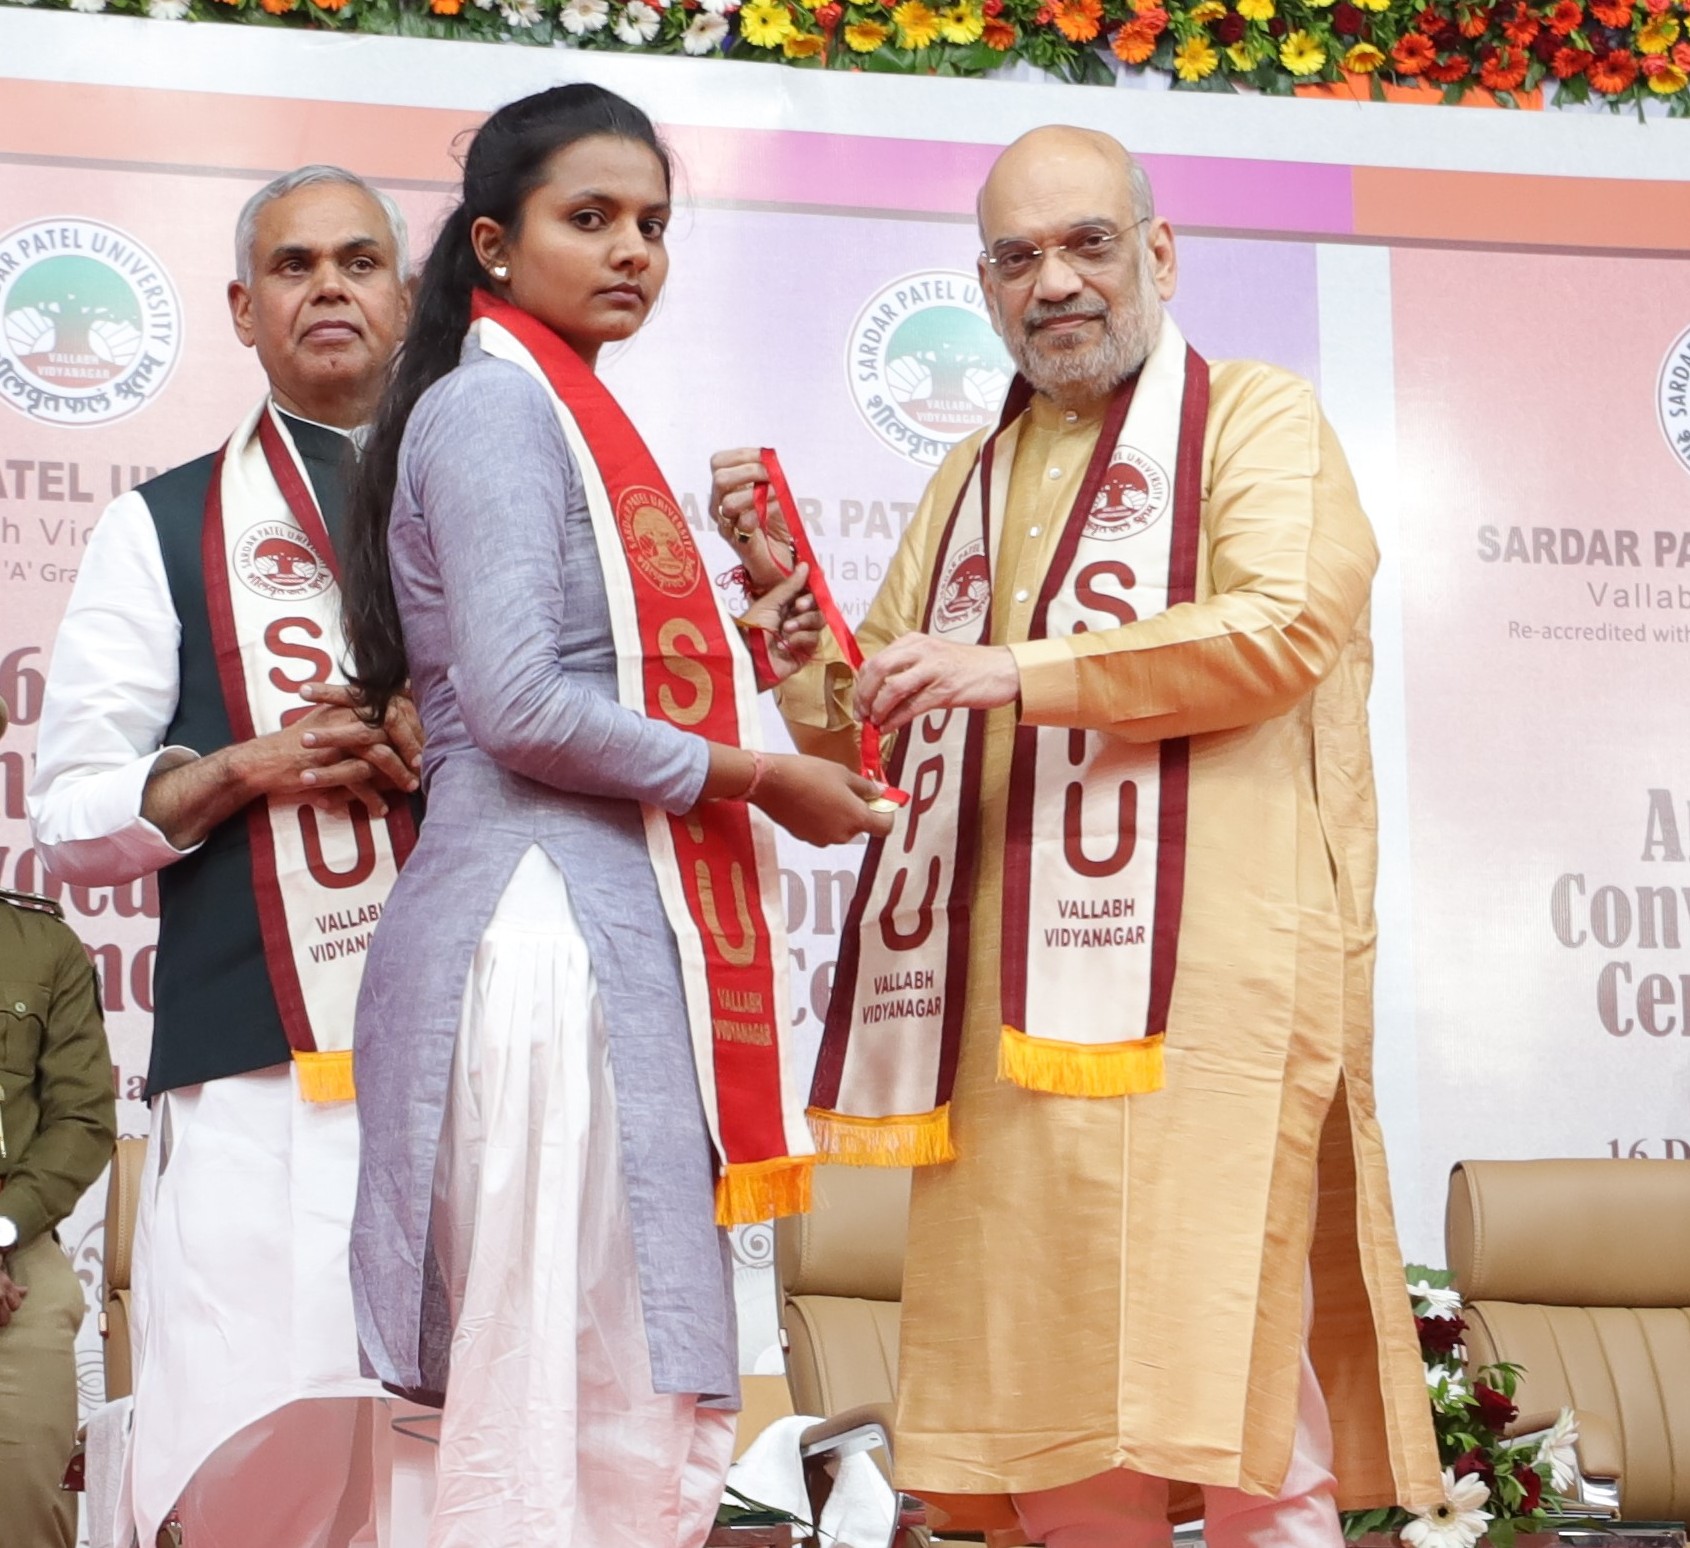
(1020, 596)
(1054, 473)
(1032, 532)
(1071, 416)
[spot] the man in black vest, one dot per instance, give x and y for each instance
(251, 1423)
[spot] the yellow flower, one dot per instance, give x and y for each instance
(765, 23)
(1657, 35)
(803, 45)
(1194, 59)
(1256, 10)
(1373, 5)
(1208, 11)
(1301, 54)
(918, 26)
(1243, 56)
(1670, 78)
(961, 23)
(864, 37)
(1363, 59)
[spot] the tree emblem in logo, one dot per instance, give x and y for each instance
(925, 367)
(658, 543)
(90, 325)
(1134, 492)
(1672, 398)
(275, 560)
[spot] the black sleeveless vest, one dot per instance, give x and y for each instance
(214, 1013)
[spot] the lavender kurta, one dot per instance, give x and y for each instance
(514, 672)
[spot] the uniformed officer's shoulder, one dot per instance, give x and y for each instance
(32, 901)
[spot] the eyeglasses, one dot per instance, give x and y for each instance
(1087, 250)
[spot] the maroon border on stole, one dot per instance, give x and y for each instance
(278, 949)
(302, 504)
(1018, 815)
(830, 1059)
(1176, 751)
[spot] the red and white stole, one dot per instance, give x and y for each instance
(678, 661)
(272, 588)
(1094, 856)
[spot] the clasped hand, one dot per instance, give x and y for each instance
(333, 755)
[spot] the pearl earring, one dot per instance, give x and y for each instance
(501, 272)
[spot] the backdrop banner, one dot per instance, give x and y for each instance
(1495, 308)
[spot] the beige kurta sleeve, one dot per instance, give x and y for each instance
(816, 702)
(1289, 561)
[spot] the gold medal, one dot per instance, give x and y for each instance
(883, 804)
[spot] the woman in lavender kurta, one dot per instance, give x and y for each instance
(535, 1234)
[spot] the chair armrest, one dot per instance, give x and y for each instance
(856, 1429)
(1596, 1490)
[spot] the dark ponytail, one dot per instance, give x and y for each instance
(508, 159)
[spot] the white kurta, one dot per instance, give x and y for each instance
(242, 1300)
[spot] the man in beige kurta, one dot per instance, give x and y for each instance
(1102, 1295)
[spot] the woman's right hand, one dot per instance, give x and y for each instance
(819, 801)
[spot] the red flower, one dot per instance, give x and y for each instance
(1521, 27)
(1613, 72)
(1449, 71)
(828, 15)
(992, 7)
(1439, 1335)
(1413, 54)
(1496, 1412)
(1230, 28)
(1531, 1488)
(1681, 55)
(1475, 23)
(1546, 46)
(1133, 43)
(1278, 27)
(1566, 15)
(1502, 70)
(1447, 38)
(999, 34)
(1431, 20)
(1612, 13)
(1153, 19)
(1569, 62)
(1474, 1463)
(1347, 20)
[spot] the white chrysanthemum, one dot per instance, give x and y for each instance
(1455, 1383)
(720, 7)
(520, 13)
(705, 33)
(167, 10)
(637, 24)
(1458, 1523)
(1441, 1300)
(579, 16)
(1559, 1448)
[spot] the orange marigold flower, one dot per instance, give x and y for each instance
(1613, 72)
(1569, 62)
(1566, 15)
(445, 7)
(1474, 23)
(1522, 26)
(999, 34)
(1413, 53)
(1503, 69)
(1612, 13)
(279, 7)
(1133, 43)
(1450, 71)
(1077, 20)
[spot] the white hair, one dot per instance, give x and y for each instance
(246, 228)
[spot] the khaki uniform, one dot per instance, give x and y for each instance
(1100, 1283)
(57, 1125)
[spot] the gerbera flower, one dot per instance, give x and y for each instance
(1664, 77)
(1441, 1300)
(1413, 53)
(1612, 13)
(1657, 35)
(864, 37)
(999, 34)
(580, 17)
(803, 45)
(521, 13)
(1077, 20)
(704, 33)
(174, 10)
(917, 24)
(1373, 5)
(1363, 59)
(1502, 69)
(1473, 24)
(274, 7)
(1458, 1523)
(1256, 10)
(1566, 15)
(765, 23)
(637, 25)
(1559, 1448)
(961, 23)
(1301, 53)
(1132, 43)
(1244, 55)
(1152, 18)
(1613, 72)
(1208, 11)
(1521, 27)
(1195, 58)
(1569, 62)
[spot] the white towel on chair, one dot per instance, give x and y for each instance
(108, 1435)
(859, 1513)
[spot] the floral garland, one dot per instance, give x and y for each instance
(1494, 1488)
(1622, 52)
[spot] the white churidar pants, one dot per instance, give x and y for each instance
(250, 1417)
(1122, 1509)
(552, 1433)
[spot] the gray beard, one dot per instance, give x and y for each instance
(1070, 371)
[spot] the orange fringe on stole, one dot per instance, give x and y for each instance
(905, 1139)
(325, 1077)
(1081, 1069)
(751, 1191)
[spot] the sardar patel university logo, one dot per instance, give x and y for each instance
(90, 324)
(926, 369)
(1672, 398)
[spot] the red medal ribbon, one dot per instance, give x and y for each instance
(804, 552)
